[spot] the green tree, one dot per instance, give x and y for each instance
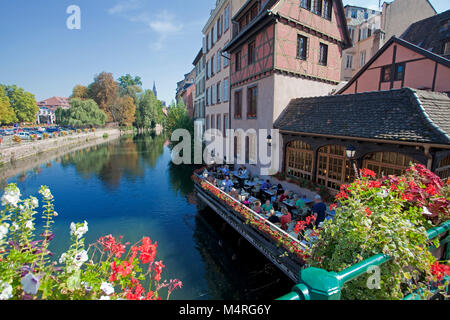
(23, 103)
(7, 114)
(147, 110)
(129, 86)
(81, 114)
(104, 91)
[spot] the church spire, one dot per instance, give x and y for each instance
(154, 90)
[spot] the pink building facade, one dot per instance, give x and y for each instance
(281, 50)
(400, 64)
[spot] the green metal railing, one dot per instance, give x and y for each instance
(319, 284)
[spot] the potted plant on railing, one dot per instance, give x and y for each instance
(390, 215)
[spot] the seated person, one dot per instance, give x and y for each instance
(244, 171)
(284, 196)
(226, 170)
(227, 184)
(319, 210)
(266, 185)
(257, 208)
(280, 190)
(246, 202)
(285, 219)
(234, 194)
(272, 217)
(267, 207)
(299, 203)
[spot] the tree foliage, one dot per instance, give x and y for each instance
(81, 114)
(80, 92)
(104, 91)
(129, 86)
(7, 114)
(23, 103)
(124, 110)
(149, 110)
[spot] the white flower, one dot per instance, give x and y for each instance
(80, 231)
(63, 258)
(5, 291)
(11, 196)
(34, 202)
(80, 258)
(105, 298)
(15, 226)
(55, 214)
(3, 230)
(107, 288)
(383, 193)
(45, 192)
(426, 211)
(29, 225)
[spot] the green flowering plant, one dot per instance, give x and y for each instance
(390, 215)
(98, 272)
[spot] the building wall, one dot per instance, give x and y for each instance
(419, 73)
(400, 14)
(264, 44)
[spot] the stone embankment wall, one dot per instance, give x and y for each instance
(28, 149)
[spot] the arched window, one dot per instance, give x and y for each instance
(387, 163)
(299, 160)
(443, 169)
(333, 167)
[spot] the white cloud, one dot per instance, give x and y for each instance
(164, 24)
(124, 6)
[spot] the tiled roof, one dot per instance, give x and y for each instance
(429, 33)
(398, 115)
(54, 102)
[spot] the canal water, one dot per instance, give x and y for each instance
(129, 188)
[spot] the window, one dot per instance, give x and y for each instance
(238, 104)
(213, 36)
(219, 122)
(213, 66)
(299, 160)
(302, 45)
(207, 122)
(327, 9)
(225, 90)
(226, 14)
(226, 59)
(305, 4)
(354, 14)
(213, 123)
(214, 94)
(386, 74)
(219, 92)
(351, 30)
(207, 42)
(251, 52)
(317, 7)
(348, 62)
(399, 72)
(207, 96)
(323, 54)
(225, 124)
(219, 60)
(446, 49)
(252, 100)
(238, 61)
(362, 60)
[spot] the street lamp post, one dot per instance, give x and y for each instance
(350, 153)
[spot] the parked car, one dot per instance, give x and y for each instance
(23, 135)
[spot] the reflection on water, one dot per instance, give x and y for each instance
(129, 187)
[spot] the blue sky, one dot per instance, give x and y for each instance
(156, 40)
